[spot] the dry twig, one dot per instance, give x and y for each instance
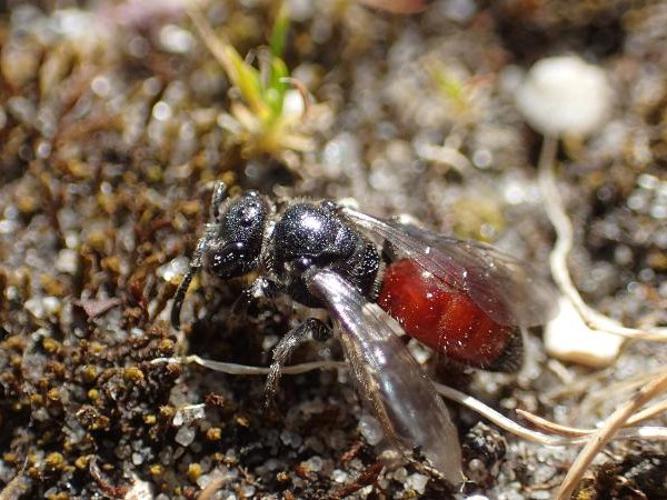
(565, 430)
(556, 438)
(602, 436)
(212, 487)
(553, 204)
(16, 488)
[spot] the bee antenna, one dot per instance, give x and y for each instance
(218, 196)
(179, 297)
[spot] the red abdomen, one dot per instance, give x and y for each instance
(444, 319)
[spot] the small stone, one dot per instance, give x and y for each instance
(174, 270)
(568, 338)
(203, 480)
(314, 464)
(370, 429)
(35, 307)
(400, 474)
(94, 308)
(67, 261)
(293, 104)
(133, 374)
(339, 476)
(248, 491)
(564, 96)
(175, 39)
(185, 436)
(417, 482)
(214, 434)
(189, 414)
(51, 305)
(156, 470)
(55, 461)
(291, 439)
(194, 472)
(139, 490)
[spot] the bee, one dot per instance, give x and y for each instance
(465, 300)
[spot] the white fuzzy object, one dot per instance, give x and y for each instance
(564, 95)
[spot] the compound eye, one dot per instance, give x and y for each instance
(229, 261)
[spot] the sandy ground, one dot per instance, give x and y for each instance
(116, 118)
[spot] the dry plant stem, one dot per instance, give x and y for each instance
(553, 204)
(16, 488)
(499, 419)
(601, 437)
(564, 430)
(238, 369)
(648, 413)
(210, 39)
(549, 426)
(566, 438)
(212, 488)
(583, 384)
(449, 156)
(620, 391)
(572, 436)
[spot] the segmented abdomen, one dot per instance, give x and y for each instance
(444, 319)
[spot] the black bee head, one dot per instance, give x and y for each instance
(237, 246)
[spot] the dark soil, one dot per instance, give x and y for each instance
(110, 137)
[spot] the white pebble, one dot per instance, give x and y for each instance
(417, 482)
(51, 305)
(370, 429)
(564, 95)
(175, 39)
(42, 307)
(314, 464)
(568, 338)
(203, 480)
(339, 476)
(185, 436)
(35, 307)
(400, 474)
(140, 490)
(248, 491)
(67, 261)
(293, 105)
(188, 414)
(137, 458)
(174, 270)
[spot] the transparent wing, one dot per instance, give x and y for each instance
(390, 381)
(503, 287)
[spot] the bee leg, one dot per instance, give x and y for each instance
(257, 290)
(311, 328)
(260, 288)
